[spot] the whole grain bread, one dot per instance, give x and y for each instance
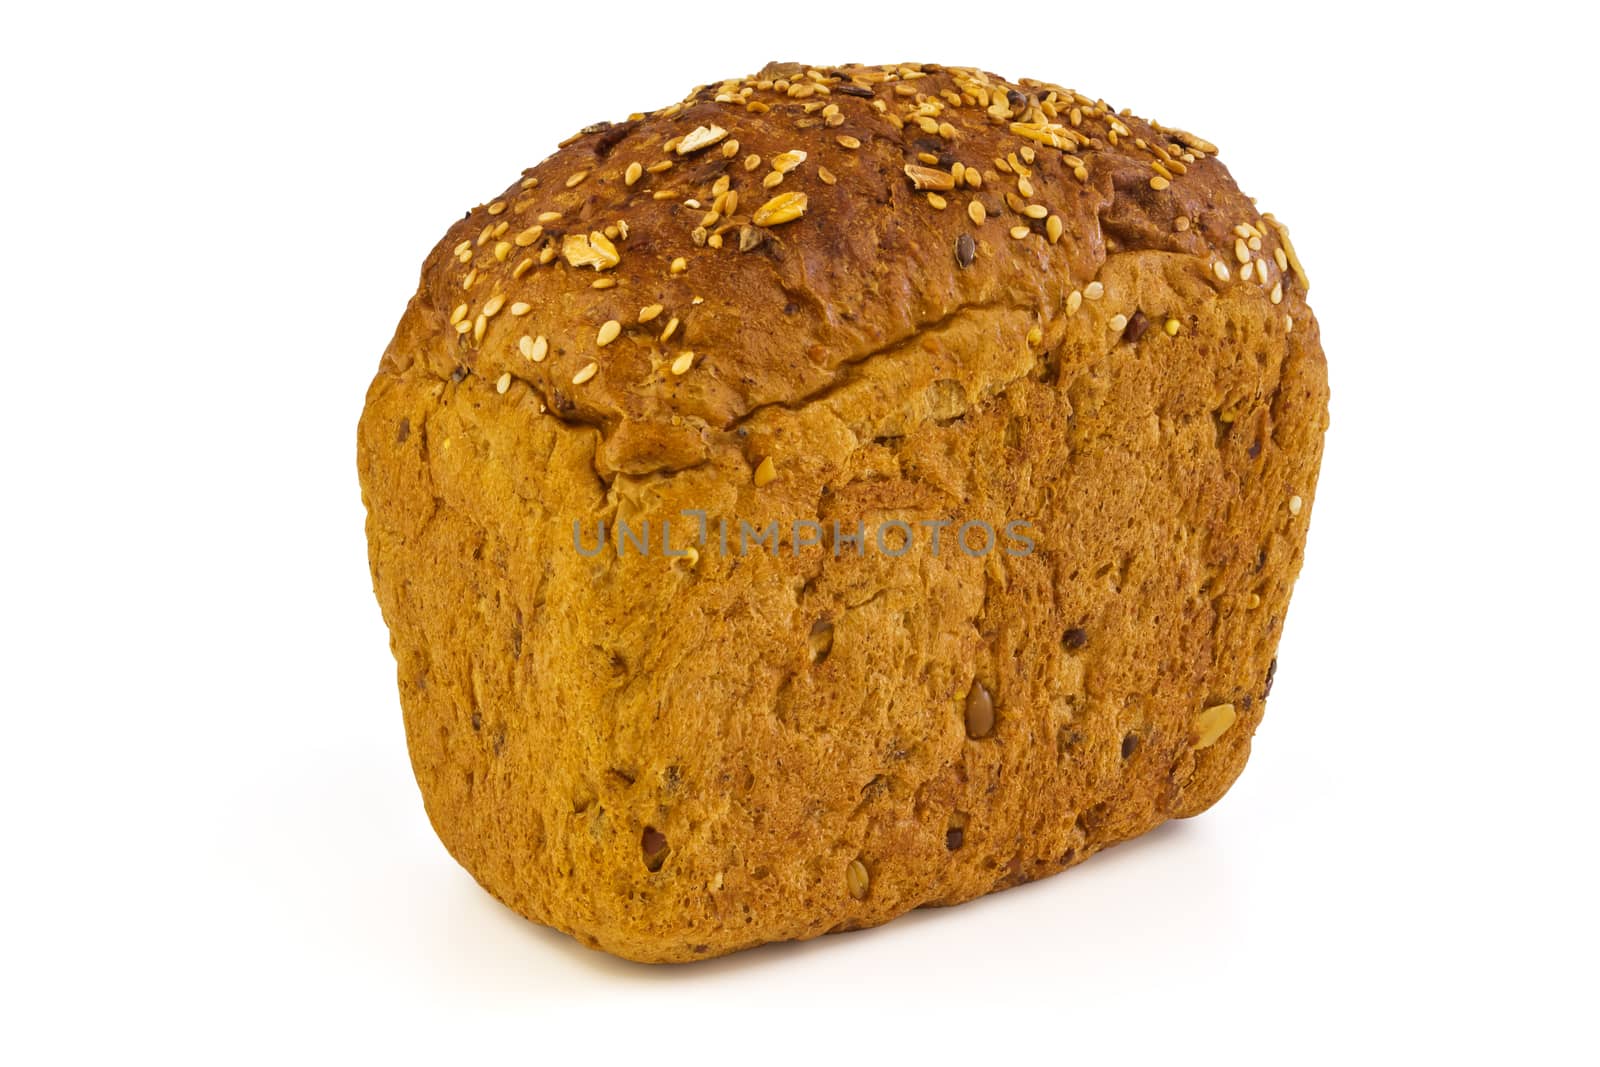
(865, 298)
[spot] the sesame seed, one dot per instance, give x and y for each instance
(478, 326)
(1118, 323)
(1281, 259)
(1036, 211)
(826, 175)
(683, 363)
(1053, 228)
(633, 173)
(975, 211)
(528, 236)
(1019, 232)
(1241, 251)
(1035, 335)
(766, 472)
(603, 283)
(503, 383)
(1220, 269)
(550, 216)
(772, 180)
(1248, 271)
(589, 371)
(458, 314)
(660, 166)
(497, 207)
(1025, 187)
(1094, 291)
(1295, 504)
(1288, 324)
(1277, 292)
(577, 179)
(463, 326)
(494, 304)
(649, 312)
(846, 141)
(752, 161)
(520, 308)
(502, 250)
(608, 332)
(1172, 327)
(672, 327)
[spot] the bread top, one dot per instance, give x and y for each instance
(663, 277)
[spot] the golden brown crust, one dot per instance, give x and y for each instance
(675, 760)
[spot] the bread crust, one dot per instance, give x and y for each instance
(672, 759)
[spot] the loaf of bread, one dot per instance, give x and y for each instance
(844, 491)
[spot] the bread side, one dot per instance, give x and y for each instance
(673, 758)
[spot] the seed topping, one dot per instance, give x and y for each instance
(700, 137)
(785, 207)
(857, 880)
(980, 711)
(766, 473)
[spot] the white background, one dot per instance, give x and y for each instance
(213, 846)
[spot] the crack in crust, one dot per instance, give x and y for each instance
(869, 266)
